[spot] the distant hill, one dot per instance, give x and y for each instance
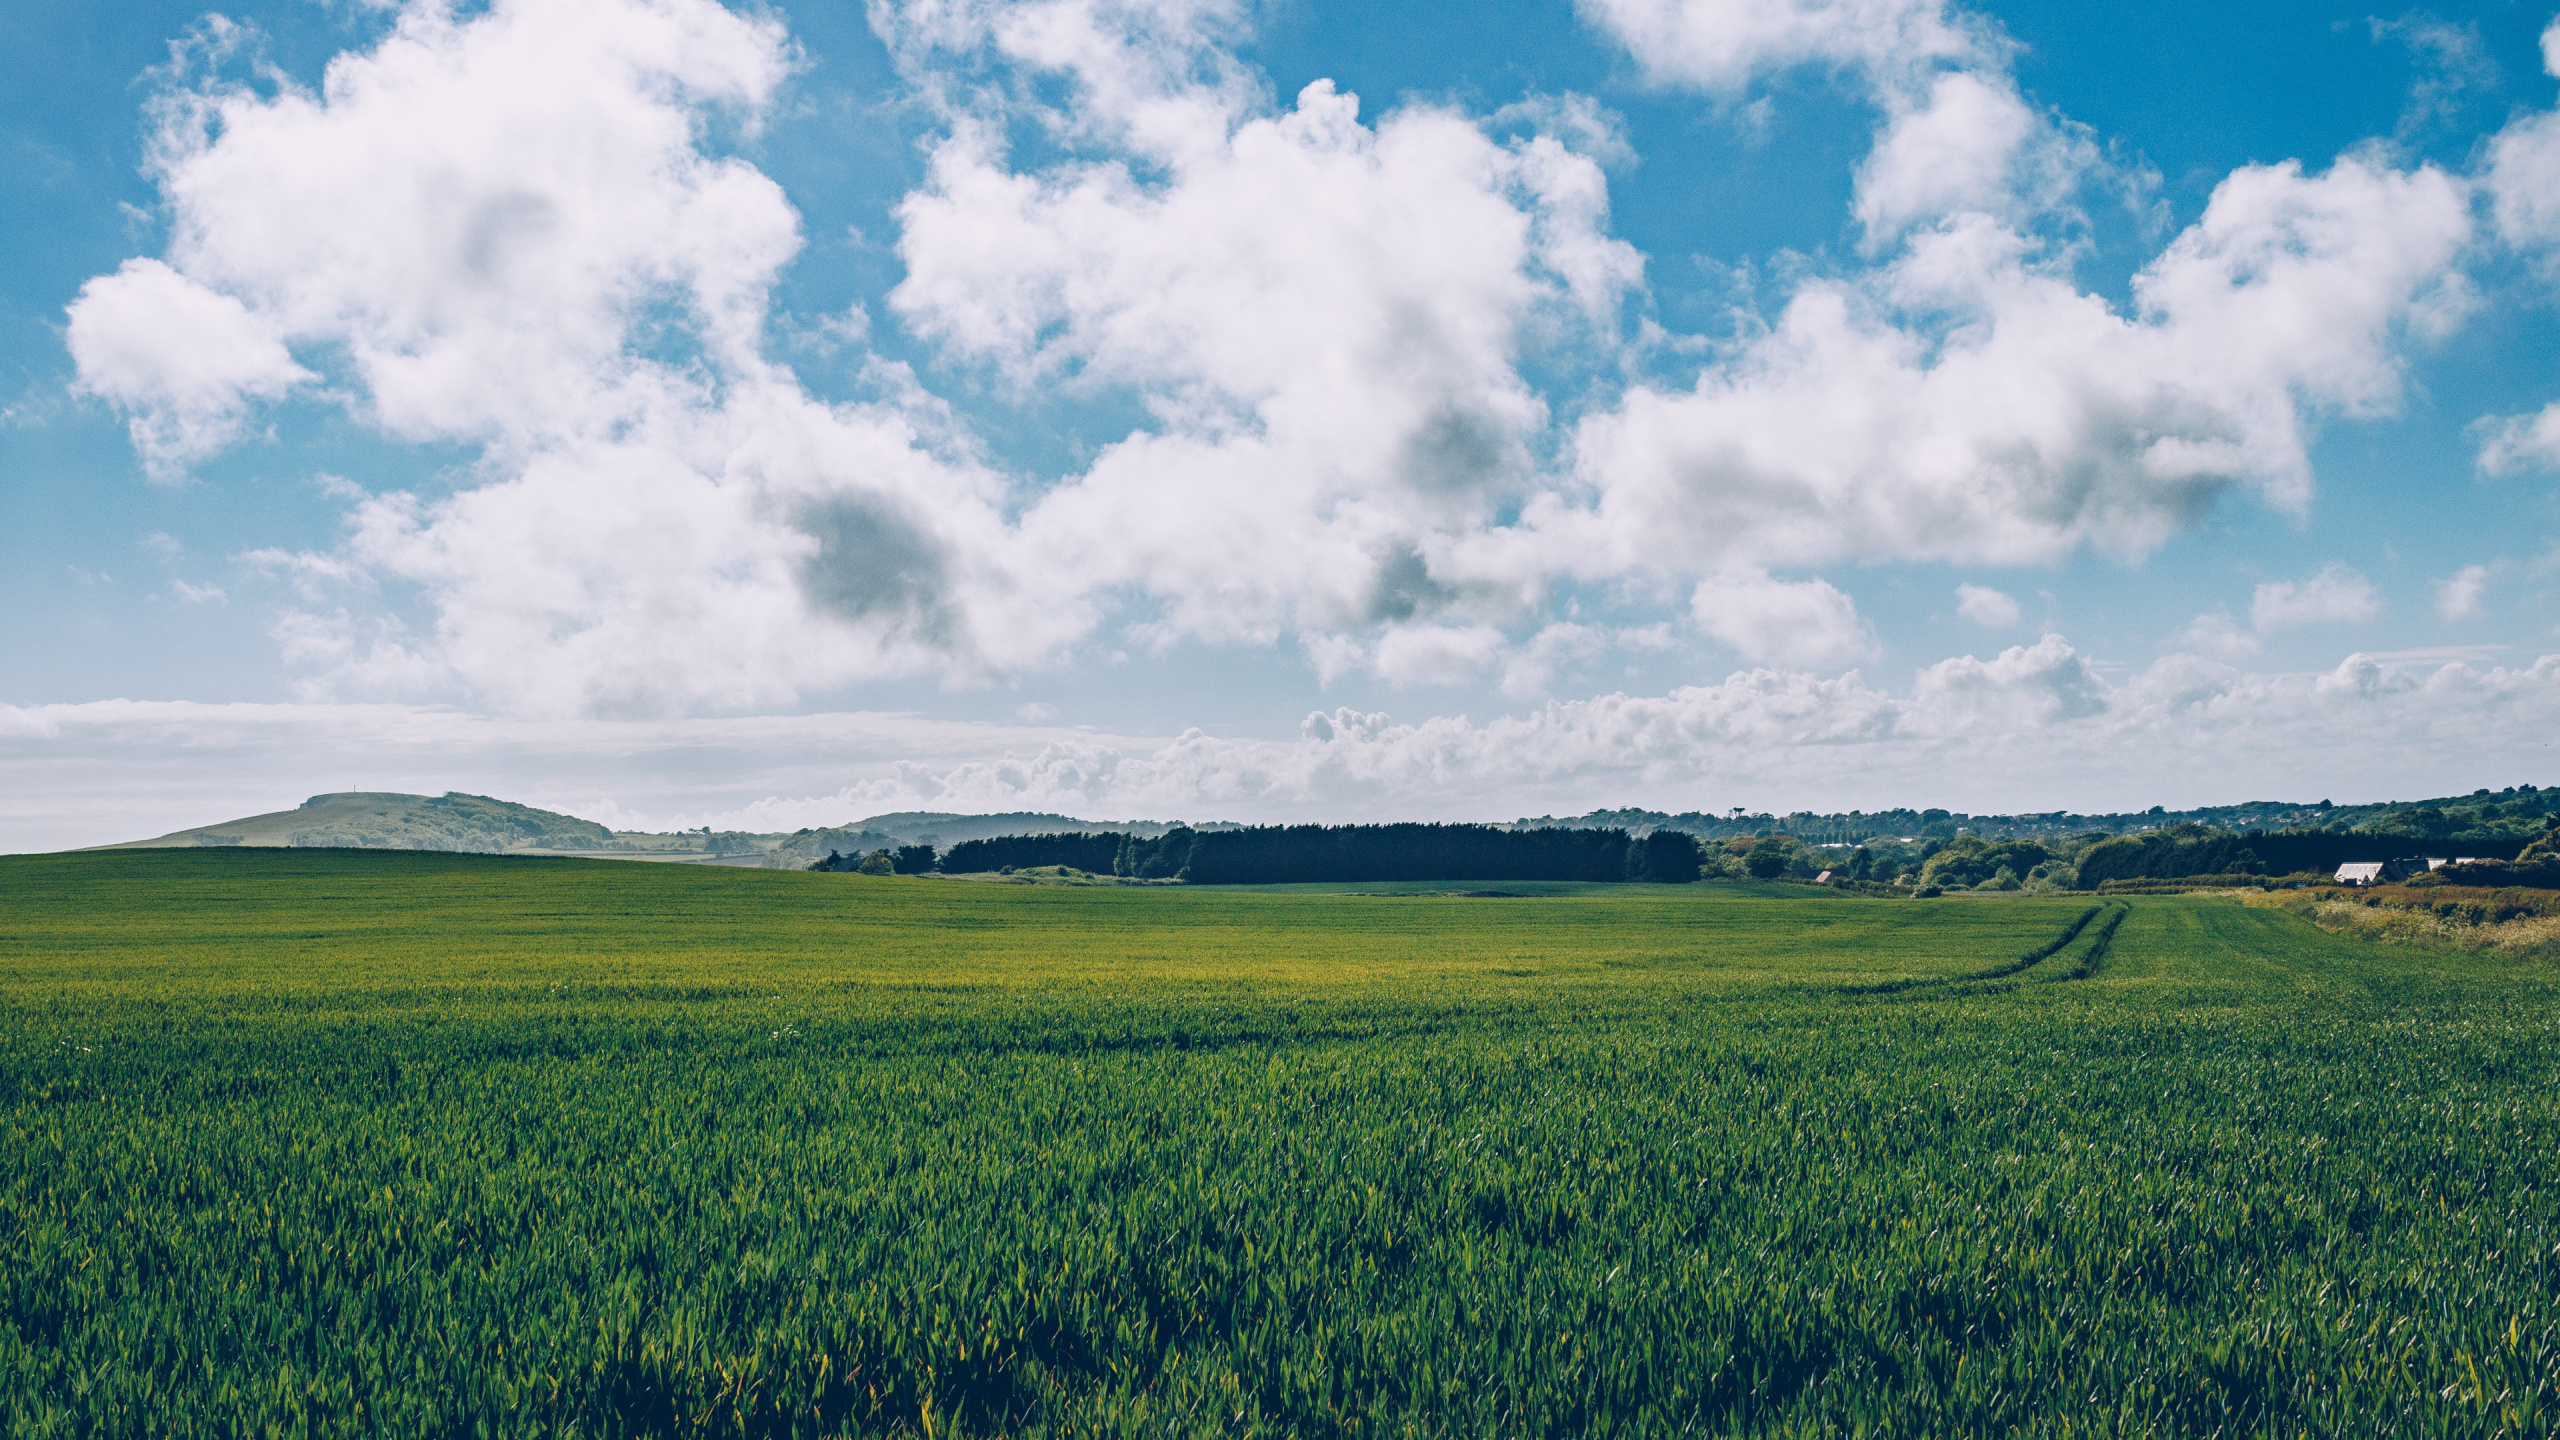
(2515, 812)
(374, 820)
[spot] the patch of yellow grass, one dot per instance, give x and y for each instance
(2394, 924)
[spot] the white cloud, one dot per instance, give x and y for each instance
(1788, 622)
(2523, 181)
(1530, 671)
(510, 230)
(1426, 654)
(1965, 400)
(2458, 595)
(186, 360)
(2216, 636)
(2025, 689)
(2335, 596)
(1435, 654)
(1968, 143)
(505, 223)
(1985, 606)
(1325, 319)
(477, 210)
(2030, 729)
(1962, 404)
(2521, 442)
(1723, 45)
(2523, 176)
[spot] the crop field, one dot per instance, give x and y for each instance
(314, 1143)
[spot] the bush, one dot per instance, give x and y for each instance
(2536, 869)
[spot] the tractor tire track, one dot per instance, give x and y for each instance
(2099, 945)
(2018, 966)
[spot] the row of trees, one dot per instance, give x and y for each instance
(2471, 823)
(1277, 854)
(2194, 850)
(1267, 855)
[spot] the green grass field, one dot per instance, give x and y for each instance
(403, 1144)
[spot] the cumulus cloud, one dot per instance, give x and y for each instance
(187, 361)
(2523, 181)
(1965, 400)
(2041, 420)
(1324, 317)
(2521, 442)
(1985, 606)
(513, 229)
(1969, 143)
(2458, 595)
(2335, 596)
(2524, 168)
(507, 230)
(1807, 623)
(1723, 46)
(2216, 636)
(2023, 688)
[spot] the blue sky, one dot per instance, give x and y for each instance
(689, 415)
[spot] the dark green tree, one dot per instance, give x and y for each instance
(1769, 859)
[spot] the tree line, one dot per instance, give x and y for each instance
(1276, 854)
(2174, 854)
(1286, 854)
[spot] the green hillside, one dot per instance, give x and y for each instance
(375, 820)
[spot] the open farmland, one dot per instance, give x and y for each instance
(321, 1143)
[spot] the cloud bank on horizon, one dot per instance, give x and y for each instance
(1398, 405)
(2010, 733)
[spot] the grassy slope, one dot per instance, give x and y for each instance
(550, 1144)
(388, 820)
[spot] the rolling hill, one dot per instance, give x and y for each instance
(375, 820)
